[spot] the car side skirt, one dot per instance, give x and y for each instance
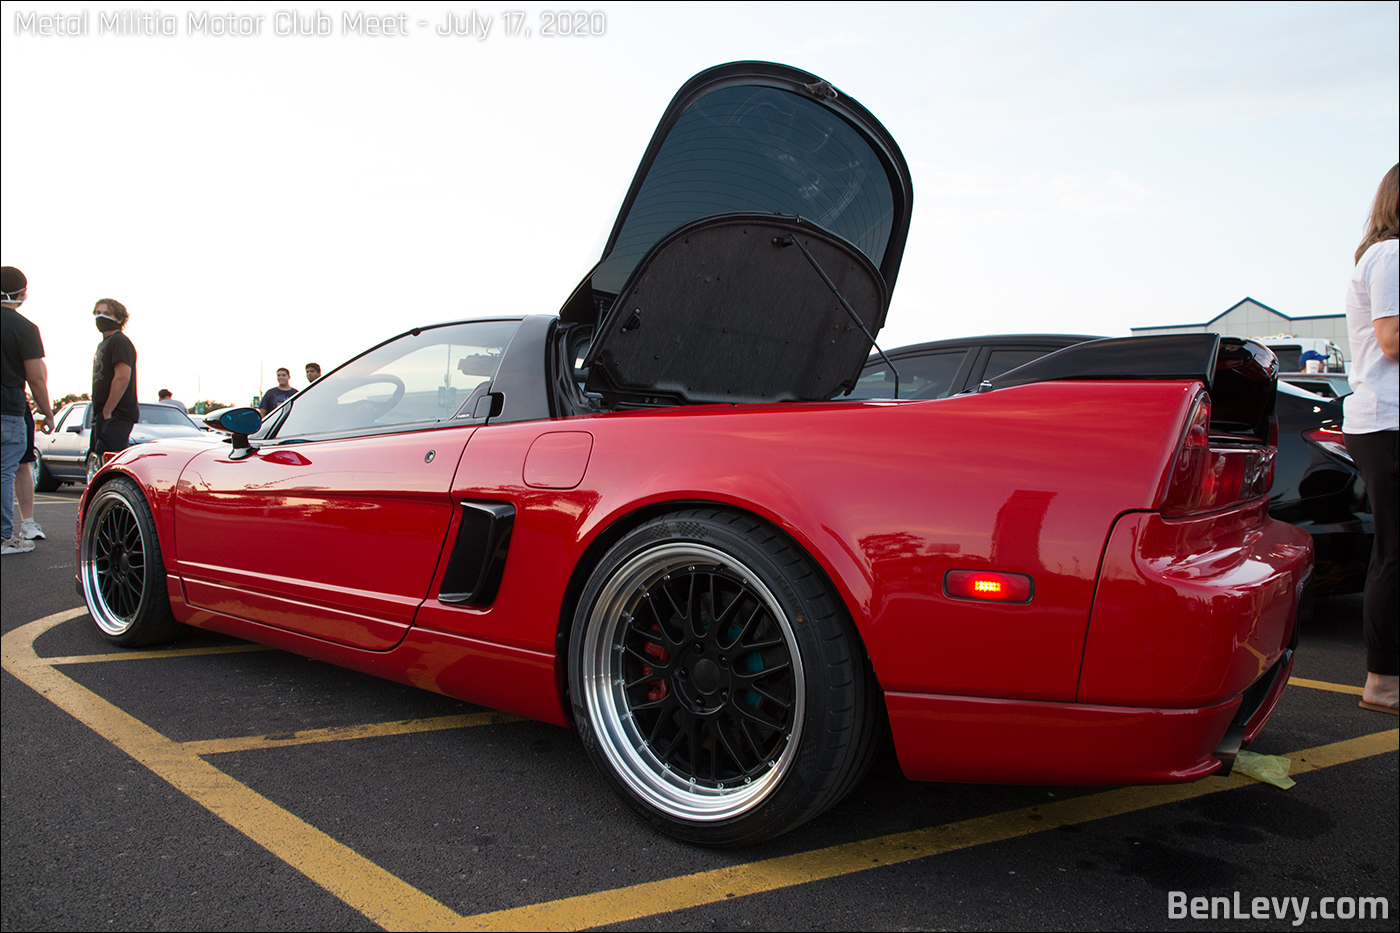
(513, 680)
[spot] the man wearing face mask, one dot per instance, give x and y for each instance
(22, 361)
(114, 407)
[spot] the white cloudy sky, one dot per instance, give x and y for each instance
(266, 200)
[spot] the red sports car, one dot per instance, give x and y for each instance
(653, 517)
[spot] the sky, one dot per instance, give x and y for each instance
(264, 200)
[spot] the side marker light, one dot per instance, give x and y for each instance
(990, 585)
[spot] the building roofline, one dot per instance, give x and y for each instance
(1286, 317)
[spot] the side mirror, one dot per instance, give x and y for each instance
(240, 422)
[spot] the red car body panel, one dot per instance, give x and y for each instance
(1120, 668)
(1190, 611)
(335, 545)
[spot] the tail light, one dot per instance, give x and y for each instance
(1330, 440)
(1213, 473)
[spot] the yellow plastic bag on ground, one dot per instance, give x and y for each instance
(1271, 769)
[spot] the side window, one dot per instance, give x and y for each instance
(435, 375)
(1003, 361)
(928, 376)
(73, 419)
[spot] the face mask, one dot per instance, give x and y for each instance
(105, 324)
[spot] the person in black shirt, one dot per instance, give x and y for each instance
(21, 361)
(114, 407)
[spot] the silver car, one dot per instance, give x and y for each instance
(63, 455)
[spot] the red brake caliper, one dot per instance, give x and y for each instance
(658, 688)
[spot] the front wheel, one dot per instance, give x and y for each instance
(717, 682)
(121, 569)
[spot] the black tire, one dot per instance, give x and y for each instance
(717, 683)
(44, 481)
(121, 569)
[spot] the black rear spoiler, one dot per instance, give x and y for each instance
(1240, 375)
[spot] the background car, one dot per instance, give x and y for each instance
(1331, 381)
(947, 367)
(63, 455)
(1316, 485)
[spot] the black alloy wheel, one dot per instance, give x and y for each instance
(716, 682)
(121, 570)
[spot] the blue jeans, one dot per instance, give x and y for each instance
(12, 439)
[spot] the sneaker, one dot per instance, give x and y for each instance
(30, 529)
(15, 545)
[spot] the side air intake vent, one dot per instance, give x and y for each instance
(479, 556)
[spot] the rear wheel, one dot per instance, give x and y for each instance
(716, 681)
(121, 569)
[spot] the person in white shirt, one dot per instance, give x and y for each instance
(1371, 425)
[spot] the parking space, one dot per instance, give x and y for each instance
(220, 784)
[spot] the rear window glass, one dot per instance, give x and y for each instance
(757, 149)
(1288, 358)
(164, 414)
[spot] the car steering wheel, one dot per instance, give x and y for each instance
(374, 409)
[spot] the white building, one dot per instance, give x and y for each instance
(1250, 318)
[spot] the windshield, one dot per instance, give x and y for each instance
(164, 414)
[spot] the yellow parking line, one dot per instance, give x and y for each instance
(149, 655)
(337, 868)
(643, 900)
(1324, 685)
(396, 905)
(342, 733)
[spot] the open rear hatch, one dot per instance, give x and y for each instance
(729, 315)
(739, 308)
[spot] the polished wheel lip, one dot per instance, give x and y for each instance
(674, 794)
(110, 516)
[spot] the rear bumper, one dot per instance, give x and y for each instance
(977, 740)
(1186, 659)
